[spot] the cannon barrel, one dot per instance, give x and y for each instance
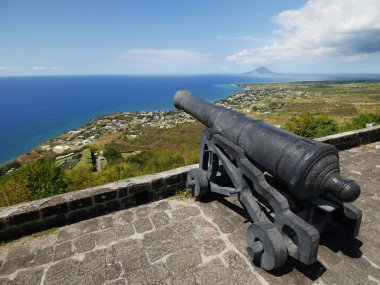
(306, 167)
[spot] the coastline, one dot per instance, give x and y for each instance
(37, 109)
(255, 99)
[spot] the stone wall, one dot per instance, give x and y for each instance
(59, 210)
(79, 205)
(352, 139)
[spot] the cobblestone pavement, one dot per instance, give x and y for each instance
(188, 242)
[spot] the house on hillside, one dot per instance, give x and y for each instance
(46, 148)
(60, 148)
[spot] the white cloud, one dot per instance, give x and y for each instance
(149, 54)
(38, 67)
(347, 29)
(242, 38)
(43, 67)
(9, 68)
(34, 68)
(55, 68)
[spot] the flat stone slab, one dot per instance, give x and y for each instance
(194, 242)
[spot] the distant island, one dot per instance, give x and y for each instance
(261, 71)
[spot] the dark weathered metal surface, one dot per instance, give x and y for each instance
(236, 153)
(308, 168)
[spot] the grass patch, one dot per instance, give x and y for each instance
(35, 235)
(60, 161)
(86, 159)
(45, 232)
(182, 195)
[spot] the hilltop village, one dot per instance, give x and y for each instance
(72, 147)
(130, 124)
(257, 100)
(69, 146)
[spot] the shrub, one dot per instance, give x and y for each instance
(311, 126)
(37, 180)
(116, 172)
(300, 125)
(80, 177)
(14, 191)
(43, 178)
(359, 121)
(156, 161)
(324, 126)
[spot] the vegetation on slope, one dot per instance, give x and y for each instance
(166, 150)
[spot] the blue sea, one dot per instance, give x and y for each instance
(36, 109)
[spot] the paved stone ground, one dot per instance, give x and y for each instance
(188, 242)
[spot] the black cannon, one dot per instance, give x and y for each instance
(290, 186)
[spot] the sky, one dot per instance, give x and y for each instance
(64, 37)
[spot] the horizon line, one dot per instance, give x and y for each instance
(189, 74)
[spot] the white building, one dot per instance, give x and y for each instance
(46, 147)
(60, 148)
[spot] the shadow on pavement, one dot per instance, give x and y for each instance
(334, 241)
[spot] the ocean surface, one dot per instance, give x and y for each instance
(36, 109)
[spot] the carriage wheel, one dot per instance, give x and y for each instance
(266, 245)
(197, 181)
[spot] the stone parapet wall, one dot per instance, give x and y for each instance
(59, 210)
(352, 139)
